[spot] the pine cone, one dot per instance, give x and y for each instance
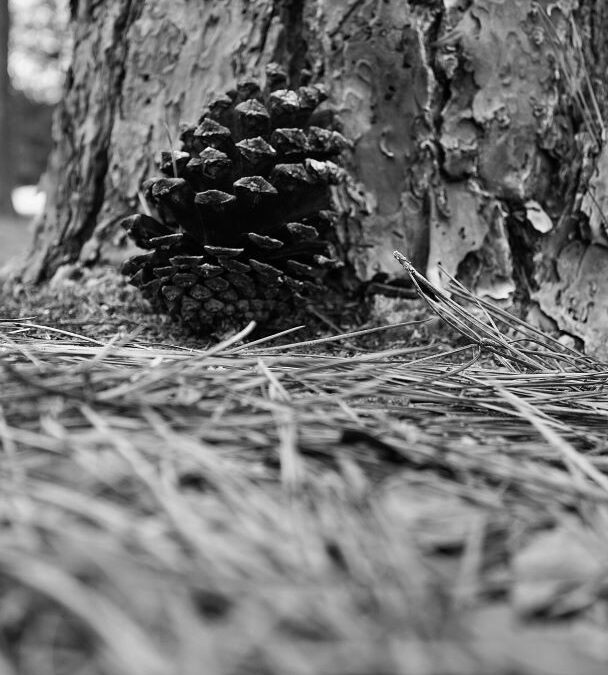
(241, 221)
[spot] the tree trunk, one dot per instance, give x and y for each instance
(6, 165)
(476, 132)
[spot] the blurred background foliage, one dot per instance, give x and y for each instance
(39, 48)
(35, 45)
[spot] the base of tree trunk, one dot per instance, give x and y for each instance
(476, 133)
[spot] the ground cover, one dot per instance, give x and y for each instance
(388, 502)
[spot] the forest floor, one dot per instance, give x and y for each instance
(402, 501)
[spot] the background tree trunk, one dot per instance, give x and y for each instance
(6, 165)
(476, 133)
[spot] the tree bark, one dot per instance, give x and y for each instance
(477, 137)
(6, 165)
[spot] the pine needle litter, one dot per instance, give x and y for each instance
(277, 506)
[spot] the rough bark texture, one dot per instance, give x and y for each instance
(6, 173)
(571, 265)
(473, 151)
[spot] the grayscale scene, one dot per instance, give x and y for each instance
(303, 337)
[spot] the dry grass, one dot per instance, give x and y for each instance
(291, 508)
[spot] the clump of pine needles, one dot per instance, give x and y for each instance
(255, 507)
